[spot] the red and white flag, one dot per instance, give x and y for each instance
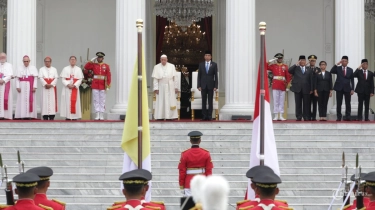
(270, 152)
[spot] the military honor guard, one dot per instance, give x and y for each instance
(302, 86)
(26, 189)
(344, 86)
(246, 204)
(357, 187)
(364, 88)
(370, 189)
(280, 81)
(45, 174)
(70, 96)
(135, 187)
(313, 99)
(100, 83)
(193, 161)
(6, 96)
(48, 77)
(26, 85)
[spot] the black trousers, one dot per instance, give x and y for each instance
(323, 97)
(48, 117)
(363, 98)
(314, 103)
(207, 114)
(339, 96)
(302, 105)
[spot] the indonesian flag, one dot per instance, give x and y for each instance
(270, 151)
(129, 141)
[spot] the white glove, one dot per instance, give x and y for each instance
(272, 60)
(94, 58)
(287, 89)
(107, 88)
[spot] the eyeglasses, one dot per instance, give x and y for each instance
(47, 61)
(26, 61)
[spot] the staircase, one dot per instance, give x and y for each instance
(87, 166)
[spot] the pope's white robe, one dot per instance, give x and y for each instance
(6, 73)
(65, 108)
(26, 99)
(49, 97)
(165, 80)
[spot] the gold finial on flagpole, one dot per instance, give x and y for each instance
(139, 24)
(262, 28)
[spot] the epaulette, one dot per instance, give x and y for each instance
(241, 202)
(4, 206)
(364, 208)
(153, 207)
(119, 202)
(204, 149)
(114, 207)
(157, 202)
(246, 207)
(347, 206)
(282, 201)
(285, 207)
(198, 206)
(59, 202)
(45, 207)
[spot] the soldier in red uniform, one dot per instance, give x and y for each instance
(281, 79)
(100, 83)
(246, 204)
(366, 200)
(193, 161)
(370, 189)
(266, 188)
(26, 188)
(135, 188)
(44, 174)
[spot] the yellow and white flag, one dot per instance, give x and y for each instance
(129, 141)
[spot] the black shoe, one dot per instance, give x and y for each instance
(313, 119)
(299, 119)
(367, 120)
(338, 119)
(203, 119)
(347, 119)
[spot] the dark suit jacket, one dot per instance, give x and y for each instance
(343, 83)
(301, 82)
(323, 84)
(365, 86)
(315, 71)
(209, 80)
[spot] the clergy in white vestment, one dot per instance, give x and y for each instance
(26, 85)
(71, 77)
(165, 88)
(6, 99)
(48, 77)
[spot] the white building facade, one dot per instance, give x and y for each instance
(59, 29)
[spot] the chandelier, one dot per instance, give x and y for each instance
(370, 9)
(184, 12)
(184, 46)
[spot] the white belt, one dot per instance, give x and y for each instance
(100, 77)
(196, 171)
(279, 77)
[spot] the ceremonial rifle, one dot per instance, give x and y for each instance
(347, 192)
(359, 193)
(344, 176)
(8, 183)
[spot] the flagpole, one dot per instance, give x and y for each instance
(262, 29)
(139, 29)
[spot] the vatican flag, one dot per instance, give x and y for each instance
(129, 141)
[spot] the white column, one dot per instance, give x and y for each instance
(127, 12)
(218, 43)
(349, 17)
(21, 34)
(240, 60)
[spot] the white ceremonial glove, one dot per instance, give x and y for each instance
(272, 60)
(287, 90)
(94, 58)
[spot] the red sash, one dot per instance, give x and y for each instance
(29, 79)
(6, 93)
(49, 81)
(73, 97)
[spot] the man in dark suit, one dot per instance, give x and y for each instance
(314, 100)
(344, 86)
(364, 88)
(302, 86)
(207, 84)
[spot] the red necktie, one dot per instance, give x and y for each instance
(344, 71)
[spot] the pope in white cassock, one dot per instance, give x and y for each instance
(26, 85)
(48, 77)
(165, 88)
(6, 99)
(71, 77)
